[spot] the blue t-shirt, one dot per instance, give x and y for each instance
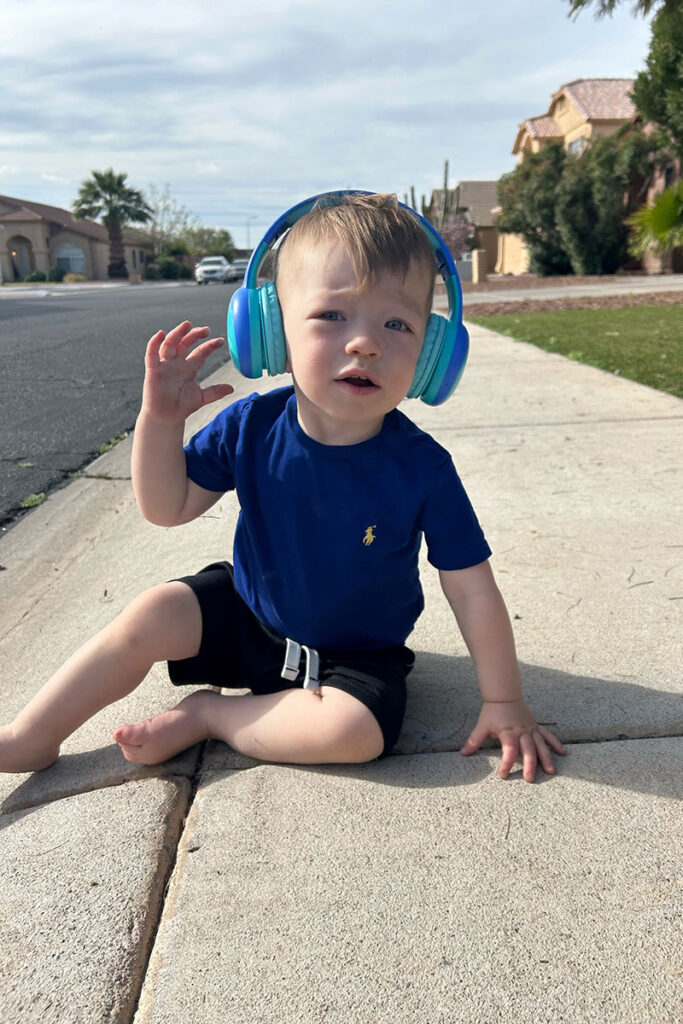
(326, 545)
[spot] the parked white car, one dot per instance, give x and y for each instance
(238, 269)
(212, 268)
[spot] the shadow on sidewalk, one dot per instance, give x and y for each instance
(443, 705)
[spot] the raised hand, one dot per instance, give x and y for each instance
(171, 392)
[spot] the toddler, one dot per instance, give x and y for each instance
(337, 489)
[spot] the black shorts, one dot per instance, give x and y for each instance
(238, 650)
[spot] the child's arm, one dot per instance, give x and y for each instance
(164, 493)
(481, 614)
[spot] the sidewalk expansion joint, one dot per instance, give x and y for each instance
(18, 806)
(466, 428)
(163, 887)
(198, 775)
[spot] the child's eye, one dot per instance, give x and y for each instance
(330, 314)
(397, 325)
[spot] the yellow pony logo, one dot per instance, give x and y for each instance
(369, 535)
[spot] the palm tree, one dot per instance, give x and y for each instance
(659, 227)
(604, 7)
(106, 195)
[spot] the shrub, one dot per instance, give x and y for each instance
(56, 274)
(152, 272)
(73, 277)
(185, 273)
(37, 275)
(177, 248)
(169, 268)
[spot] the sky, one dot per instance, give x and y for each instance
(244, 109)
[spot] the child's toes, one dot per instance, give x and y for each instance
(130, 735)
(131, 753)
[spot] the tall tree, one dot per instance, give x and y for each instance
(527, 197)
(571, 210)
(203, 241)
(658, 92)
(170, 222)
(107, 196)
(606, 7)
(592, 197)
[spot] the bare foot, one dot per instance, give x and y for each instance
(18, 756)
(156, 739)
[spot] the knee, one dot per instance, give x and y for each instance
(164, 621)
(354, 737)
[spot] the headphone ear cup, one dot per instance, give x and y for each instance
(429, 354)
(441, 360)
(244, 332)
(449, 365)
(272, 330)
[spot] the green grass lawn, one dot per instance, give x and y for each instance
(643, 343)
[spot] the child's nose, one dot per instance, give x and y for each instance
(363, 342)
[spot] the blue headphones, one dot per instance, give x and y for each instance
(256, 335)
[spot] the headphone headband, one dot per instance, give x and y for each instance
(444, 260)
(256, 334)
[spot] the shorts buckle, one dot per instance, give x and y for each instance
(290, 667)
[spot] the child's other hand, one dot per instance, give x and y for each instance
(520, 736)
(171, 392)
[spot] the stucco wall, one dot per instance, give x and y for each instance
(513, 255)
(34, 232)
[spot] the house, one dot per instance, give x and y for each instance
(34, 236)
(475, 201)
(579, 111)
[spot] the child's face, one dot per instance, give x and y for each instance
(352, 353)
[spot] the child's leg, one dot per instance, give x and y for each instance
(293, 726)
(162, 624)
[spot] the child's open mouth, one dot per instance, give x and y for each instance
(358, 382)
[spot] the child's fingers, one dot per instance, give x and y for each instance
(214, 392)
(529, 755)
(552, 740)
(152, 350)
(509, 743)
(203, 351)
(191, 338)
(544, 755)
(176, 338)
(473, 742)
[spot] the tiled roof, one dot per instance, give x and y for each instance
(21, 214)
(601, 99)
(478, 198)
(58, 216)
(24, 209)
(542, 127)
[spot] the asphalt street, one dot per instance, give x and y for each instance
(71, 371)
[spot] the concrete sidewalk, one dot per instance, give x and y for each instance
(621, 285)
(421, 888)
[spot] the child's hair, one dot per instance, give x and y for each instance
(377, 233)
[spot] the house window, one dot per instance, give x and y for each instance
(576, 147)
(142, 257)
(71, 257)
(669, 176)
